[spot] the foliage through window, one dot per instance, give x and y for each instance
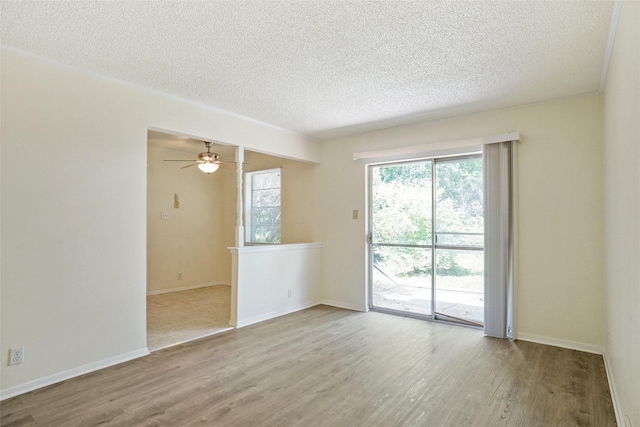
(427, 241)
(402, 211)
(263, 206)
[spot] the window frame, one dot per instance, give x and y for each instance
(249, 236)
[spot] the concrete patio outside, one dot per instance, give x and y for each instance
(413, 295)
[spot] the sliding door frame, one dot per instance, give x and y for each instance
(434, 316)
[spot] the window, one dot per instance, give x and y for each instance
(263, 200)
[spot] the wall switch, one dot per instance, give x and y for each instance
(289, 293)
(164, 215)
(355, 214)
(16, 356)
(179, 276)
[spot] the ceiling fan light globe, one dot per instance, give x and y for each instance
(208, 167)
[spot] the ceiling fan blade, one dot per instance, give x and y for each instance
(188, 166)
(178, 160)
(230, 162)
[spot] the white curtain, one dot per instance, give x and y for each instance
(499, 254)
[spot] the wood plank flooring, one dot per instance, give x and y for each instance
(331, 367)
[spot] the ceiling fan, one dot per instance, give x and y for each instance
(207, 162)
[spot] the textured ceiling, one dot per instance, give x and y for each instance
(327, 68)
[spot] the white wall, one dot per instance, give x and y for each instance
(560, 293)
(74, 153)
(192, 241)
(264, 275)
(622, 213)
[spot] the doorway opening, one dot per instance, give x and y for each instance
(190, 224)
(427, 213)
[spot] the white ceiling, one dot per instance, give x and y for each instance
(187, 144)
(327, 68)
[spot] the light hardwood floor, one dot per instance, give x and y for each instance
(331, 367)
(177, 317)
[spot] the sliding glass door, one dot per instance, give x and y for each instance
(401, 239)
(423, 214)
(459, 239)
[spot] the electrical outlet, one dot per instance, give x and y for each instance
(355, 214)
(179, 276)
(290, 293)
(16, 356)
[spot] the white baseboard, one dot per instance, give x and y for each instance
(273, 314)
(571, 345)
(71, 373)
(344, 305)
(614, 394)
(187, 288)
